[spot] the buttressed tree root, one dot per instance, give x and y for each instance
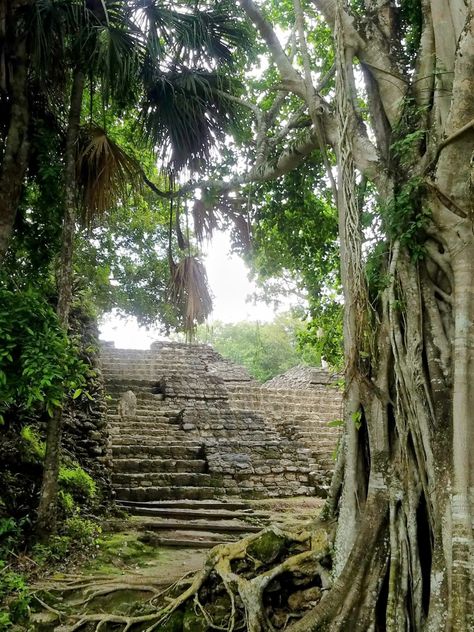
(261, 583)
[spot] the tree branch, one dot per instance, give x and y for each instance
(328, 9)
(392, 85)
(291, 78)
(303, 46)
(243, 102)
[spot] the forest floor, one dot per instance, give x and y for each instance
(127, 569)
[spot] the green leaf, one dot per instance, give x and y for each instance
(357, 419)
(77, 392)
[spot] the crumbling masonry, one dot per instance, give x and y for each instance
(186, 424)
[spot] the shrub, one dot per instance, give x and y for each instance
(34, 449)
(82, 531)
(14, 597)
(10, 536)
(56, 550)
(78, 482)
(39, 365)
(66, 502)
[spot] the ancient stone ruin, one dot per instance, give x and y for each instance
(186, 424)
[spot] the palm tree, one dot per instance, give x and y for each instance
(141, 56)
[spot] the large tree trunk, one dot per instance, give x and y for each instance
(415, 399)
(404, 488)
(14, 159)
(47, 510)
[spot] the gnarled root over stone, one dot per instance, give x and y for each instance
(261, 583)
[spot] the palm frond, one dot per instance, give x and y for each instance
(52, 25)
(189, 292)
(205, 219)
(104, 172)
(186, 112)
(116, 51)
(210, 35)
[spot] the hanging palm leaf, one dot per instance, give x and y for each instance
(186, 111)
(104, 172)
(189, 292)
(205, 219)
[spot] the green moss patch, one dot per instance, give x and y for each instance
(118, 550)
(267, 548)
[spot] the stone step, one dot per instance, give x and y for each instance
(174, 450)
(316, 439)
(167, 493)
(228, 526)
(145, 389)
(155, 440)
(200, 505)
(116, 381)
(189, 539)
(326, 462)
(319, 431)
(145, 408)
(194, 514)
(136, 429)
(150, 432)
(145, 414)
(255, 437)
(159, 465)
(164, 479)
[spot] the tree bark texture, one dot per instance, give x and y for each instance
(47, 510)
(14, 155)
(404, 495)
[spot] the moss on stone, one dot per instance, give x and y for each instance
(267, 547)
(118, 549)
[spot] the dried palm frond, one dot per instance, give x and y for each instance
(189, 292)
(104, 172)
(205, 219)
(242, 232)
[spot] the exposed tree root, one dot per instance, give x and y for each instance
(260, 583)
(354, 594)
(99, 586)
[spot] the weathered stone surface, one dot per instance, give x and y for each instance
(86, 434)
(191, 404)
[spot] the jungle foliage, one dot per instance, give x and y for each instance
(358, 115)
(264, 349)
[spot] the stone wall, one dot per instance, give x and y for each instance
(257, 441)
(85, 435)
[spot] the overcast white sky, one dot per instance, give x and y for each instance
(228, 279)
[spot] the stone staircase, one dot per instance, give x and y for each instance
(194, 524)
(201, 437)
(303, 418)
(153, 458)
